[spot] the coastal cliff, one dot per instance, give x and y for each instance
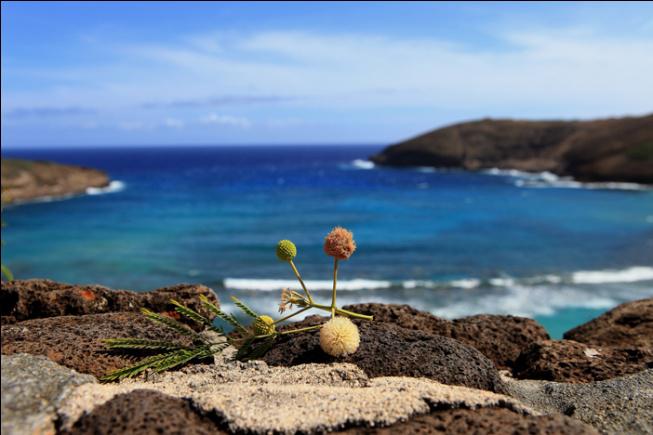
(616, 149)
(24, 180)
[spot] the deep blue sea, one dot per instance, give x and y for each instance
(451, 242)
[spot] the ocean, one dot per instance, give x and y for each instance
(451, 242)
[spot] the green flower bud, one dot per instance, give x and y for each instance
(264, 325)
(286, 250)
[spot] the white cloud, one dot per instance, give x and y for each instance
(228, 120)
(535, 73)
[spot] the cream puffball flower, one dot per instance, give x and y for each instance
(339, 337)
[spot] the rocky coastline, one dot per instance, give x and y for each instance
(413, 372)
(27, 180)
(605, 150)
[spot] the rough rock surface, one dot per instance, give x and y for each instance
(32, 388)
(570, 361)
(389, 350)
(500, 338)
(621, 405)
(145, 412)
(487, 421)
(628, 325)
(75, 341)
(24, 180)
(37, 298)
(253, 397)
(618, 149)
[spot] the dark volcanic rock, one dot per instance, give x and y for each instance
(488, 421)
(500, 338)
(37, 298)
(23, 180)
(145, 412)
(628, 325)
(75, 341)
(570, 361)
(618, 149)
(405, 316)
(389, 350)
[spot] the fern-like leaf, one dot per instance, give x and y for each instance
(139, 367)
(190, 313)
(221, 314)
(140, 343)
(253, 349)
(179, 358)
(244, 308)
(169, 322)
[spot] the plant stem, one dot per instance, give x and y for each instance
(309, 328)
(343, 312)
(301, 281)
(292, 315)
(333, 292)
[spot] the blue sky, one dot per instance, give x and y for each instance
(98, 74)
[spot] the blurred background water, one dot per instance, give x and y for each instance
(450, 242)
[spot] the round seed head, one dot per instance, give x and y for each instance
(264, 325)
(339, 337)
(286, 250)
(339, 243)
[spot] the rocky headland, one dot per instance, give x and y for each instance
(26, 180)
(413, 372)
(606, 150)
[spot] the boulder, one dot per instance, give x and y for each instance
(573, 362)
(628, 325)
(389, 350)
(488, 421)
(38, 298)
(145, 412)
(500, 338)
(75, 341)
(32, 388)
(622, 405)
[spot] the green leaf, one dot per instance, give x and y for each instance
(169, 322)
(140, 343)
(133, 370)
(244, 308)
(7, 273)
(191, 314)
(208, 304)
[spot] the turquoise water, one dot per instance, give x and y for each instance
(450, 242)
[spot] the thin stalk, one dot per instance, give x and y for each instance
(292, 315)
(333, 292)
(301, 281)
(309, 328)
(343, 312)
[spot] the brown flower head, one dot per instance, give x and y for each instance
(290, 298)
(339, 243)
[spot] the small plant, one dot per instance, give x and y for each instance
(339, 336)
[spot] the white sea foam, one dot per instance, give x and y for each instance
(362, 164)
(277, 284)
(550, 180)
(631, 274)
(114, 186)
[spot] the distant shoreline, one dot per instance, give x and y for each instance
(25, 181)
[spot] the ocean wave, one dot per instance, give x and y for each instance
(629, 275)
(548, 179)
(114, 186)
(362, 164)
